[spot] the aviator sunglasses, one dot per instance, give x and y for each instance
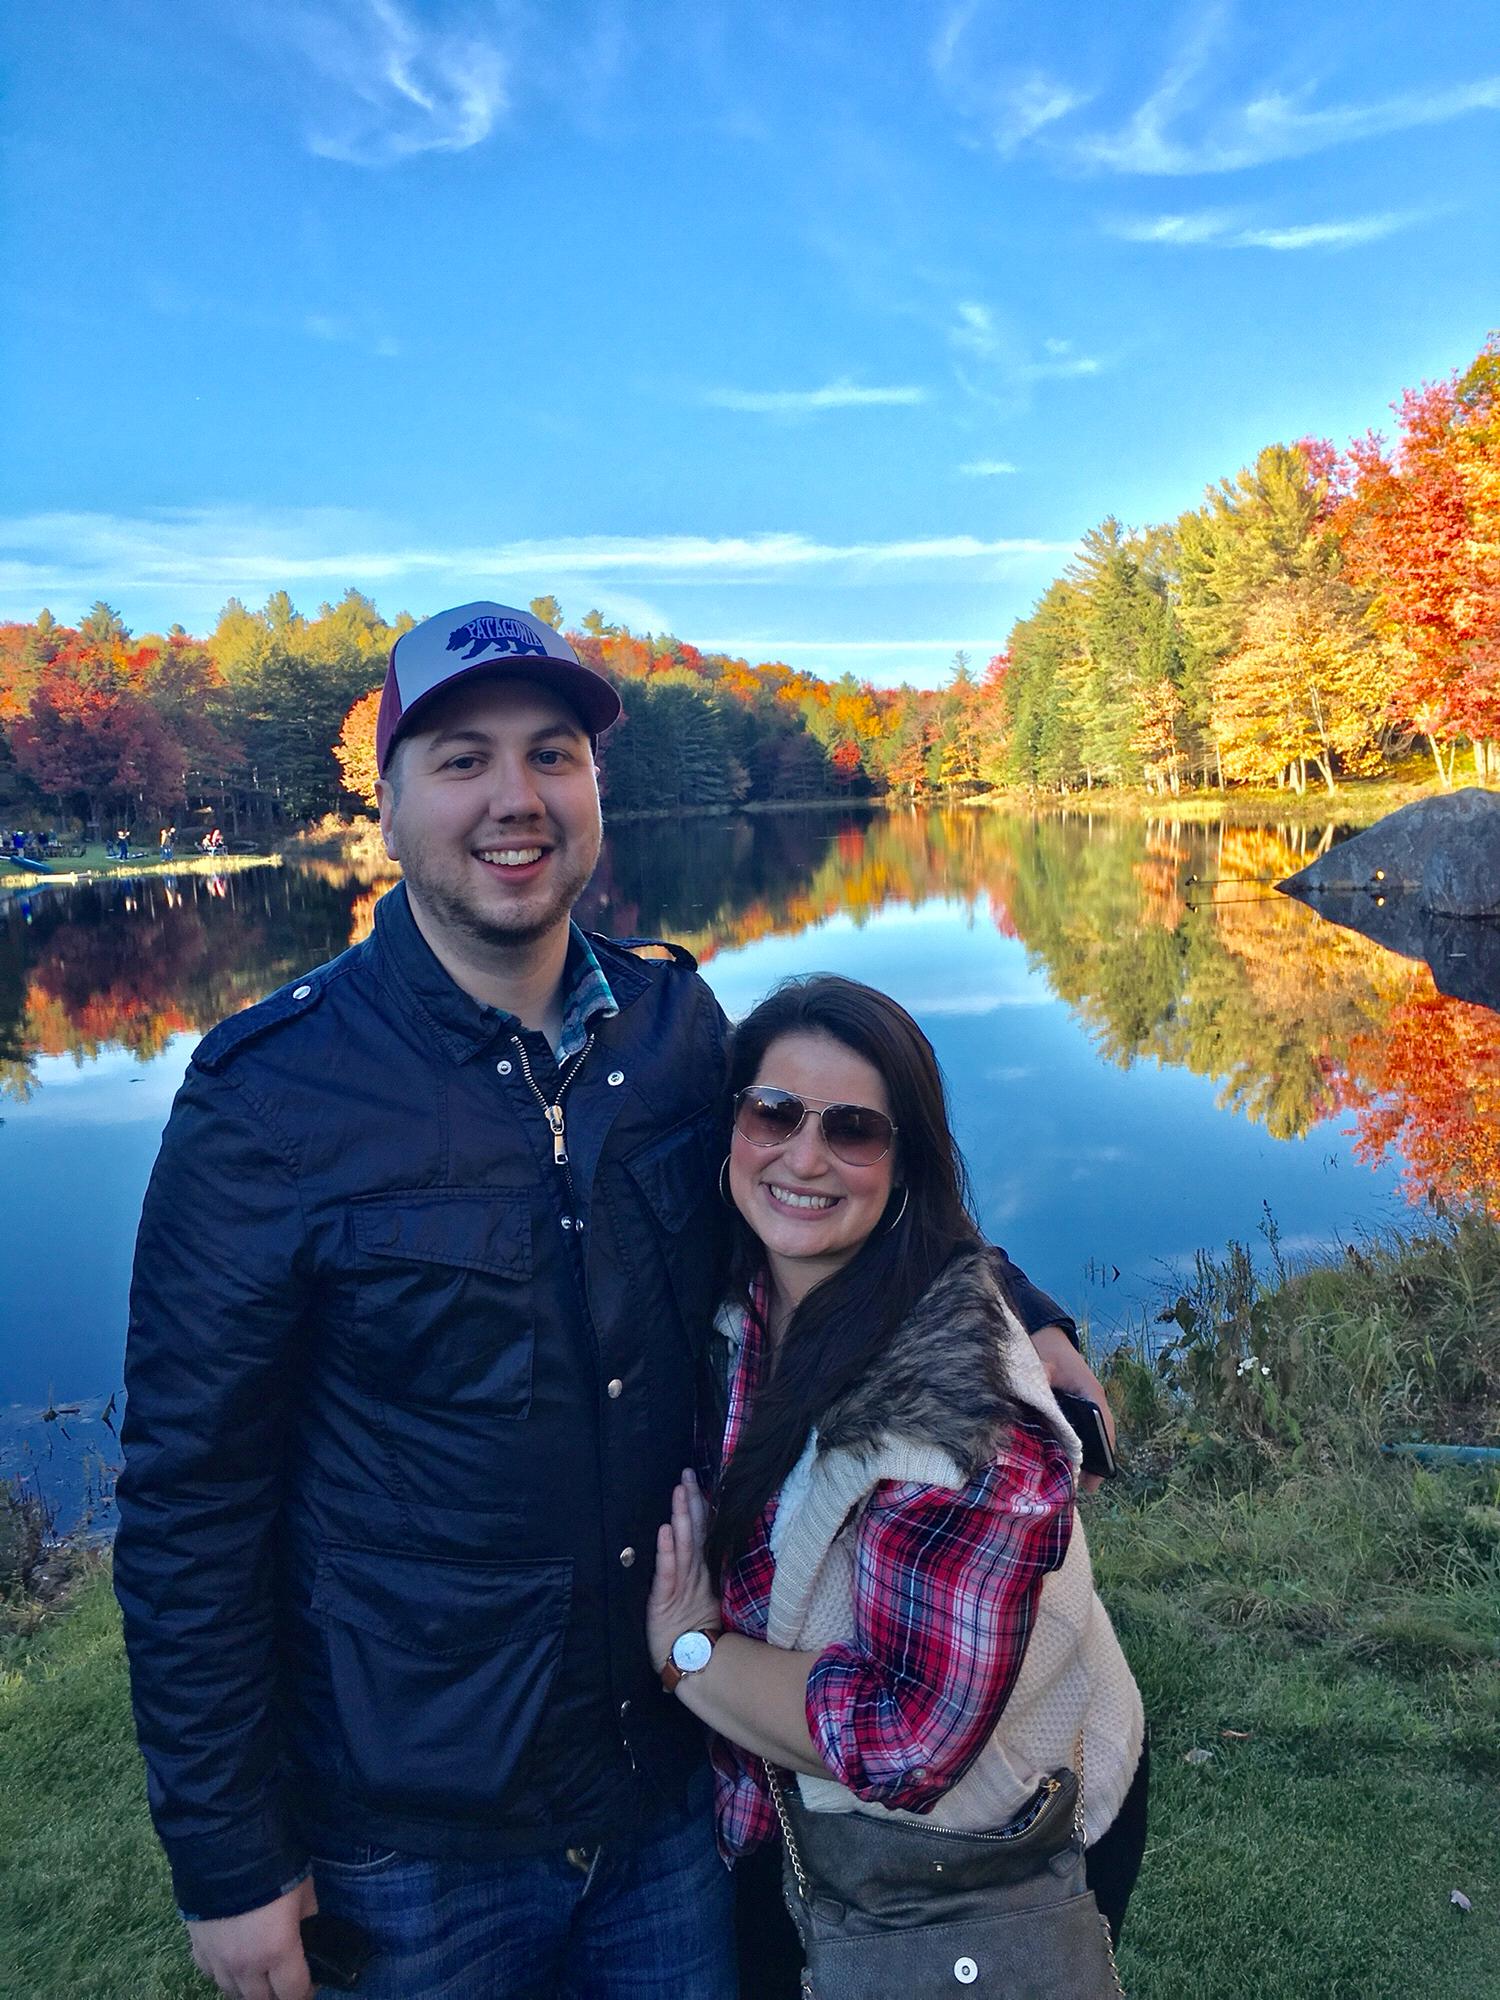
(853, 1133)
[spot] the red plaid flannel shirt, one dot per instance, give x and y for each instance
(946, 1587)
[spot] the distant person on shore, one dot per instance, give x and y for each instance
(122, 843)
(168, 842)
(402, 1423)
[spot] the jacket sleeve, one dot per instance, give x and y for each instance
(216, 1304)
(1033, 1307)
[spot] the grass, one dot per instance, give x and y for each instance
(1342, 1624)
(1322, 1620)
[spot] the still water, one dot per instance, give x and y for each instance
(1148, 1049)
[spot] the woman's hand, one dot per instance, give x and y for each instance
(683, 1598)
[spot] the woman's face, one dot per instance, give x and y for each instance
(809, 1208)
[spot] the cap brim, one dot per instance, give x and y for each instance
(589, 695)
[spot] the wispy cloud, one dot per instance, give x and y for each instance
(388, 84)
(986, 468)
(338, 331)
(970, 58)
(215, 552)
(1177, 130)
(840, 395)
(1224, 229)
(998, 365)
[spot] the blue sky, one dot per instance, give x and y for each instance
(817, 332)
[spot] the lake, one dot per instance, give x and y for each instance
(1149, 1050)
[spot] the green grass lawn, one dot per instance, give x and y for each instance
(1323, 1620)
(1344, 1622)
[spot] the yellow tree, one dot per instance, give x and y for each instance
(1158, 735)
(355, 750)
(1307, 685)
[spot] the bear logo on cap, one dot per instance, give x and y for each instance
(508, 635)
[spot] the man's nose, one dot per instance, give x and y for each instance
(513, 790)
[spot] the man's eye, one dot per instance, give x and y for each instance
(467, 762)
(551, 758)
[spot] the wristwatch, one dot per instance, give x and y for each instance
(690, 1654)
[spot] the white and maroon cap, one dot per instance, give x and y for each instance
(492, 639)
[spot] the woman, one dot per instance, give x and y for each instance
(906, 1616)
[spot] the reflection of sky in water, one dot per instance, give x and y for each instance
(1078, 1166)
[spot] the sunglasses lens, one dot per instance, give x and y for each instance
(857, 1135)
(768, 1118)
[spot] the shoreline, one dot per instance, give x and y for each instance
(1357, 804)
(131, 871)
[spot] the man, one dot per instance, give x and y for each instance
(408, 1399)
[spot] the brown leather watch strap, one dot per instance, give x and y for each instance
(671, 1673)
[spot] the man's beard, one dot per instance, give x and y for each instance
(458, 915)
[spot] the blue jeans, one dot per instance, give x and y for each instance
(641, 1921)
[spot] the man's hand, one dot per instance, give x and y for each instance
(1067, 1369)
(258, 1956)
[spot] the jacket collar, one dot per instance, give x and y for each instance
(461, 1025)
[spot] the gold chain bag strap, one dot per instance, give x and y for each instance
(888, 1906)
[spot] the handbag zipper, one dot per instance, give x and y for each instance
(1046, 1792)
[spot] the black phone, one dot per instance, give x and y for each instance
(337, 1951)
(1083, 1417)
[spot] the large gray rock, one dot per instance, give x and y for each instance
(1445, 852)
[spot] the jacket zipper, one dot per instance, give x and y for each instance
(553, 1113)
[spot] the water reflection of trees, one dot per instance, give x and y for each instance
(129, 966)
(1163, 937)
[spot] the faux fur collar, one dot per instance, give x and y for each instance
(943, 1380)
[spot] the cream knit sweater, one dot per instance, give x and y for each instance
(1074, 1676)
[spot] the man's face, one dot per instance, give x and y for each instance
(491, 806)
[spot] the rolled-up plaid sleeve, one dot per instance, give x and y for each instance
(946, 1588)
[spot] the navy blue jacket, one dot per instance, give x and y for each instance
(406, 1406)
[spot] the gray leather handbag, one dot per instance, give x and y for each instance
(891, 1907)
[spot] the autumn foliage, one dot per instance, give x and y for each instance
(1318, 612)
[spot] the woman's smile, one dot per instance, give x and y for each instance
(811, 1209)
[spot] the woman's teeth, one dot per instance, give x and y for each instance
(802, 1200)
(510, 857)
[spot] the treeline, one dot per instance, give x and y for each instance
(104, 727)
(1315, 615)
(1320, 612)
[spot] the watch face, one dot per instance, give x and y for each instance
(692, 1652)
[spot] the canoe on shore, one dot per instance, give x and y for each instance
(25, 861)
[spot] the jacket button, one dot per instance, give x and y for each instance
(627, 1557)
(502, 1069)
(616, 1076)
(301, 992)
(614, 1389)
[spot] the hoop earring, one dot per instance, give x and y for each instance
(895, 1219)
(724, 1195)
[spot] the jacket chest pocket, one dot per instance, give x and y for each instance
(443, 1299)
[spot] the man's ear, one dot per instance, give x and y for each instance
(385, 799)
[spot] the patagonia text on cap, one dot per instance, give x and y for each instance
(490, 639)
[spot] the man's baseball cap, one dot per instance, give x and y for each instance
(492, 639)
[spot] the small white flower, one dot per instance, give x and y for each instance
(1264, 1370)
